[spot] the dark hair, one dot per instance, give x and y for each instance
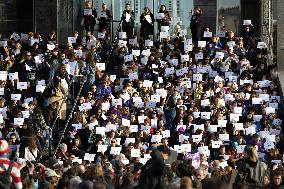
(164, 149)
(184, 169)
(163, 6)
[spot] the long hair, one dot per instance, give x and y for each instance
(252, 153)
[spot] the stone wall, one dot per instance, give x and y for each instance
(280, 34)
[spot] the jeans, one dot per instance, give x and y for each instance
(170, 117)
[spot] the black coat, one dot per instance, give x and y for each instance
(153, 172)
(104, 22)
(90, 20)
(146, 27)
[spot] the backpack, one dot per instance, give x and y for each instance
(5, 179)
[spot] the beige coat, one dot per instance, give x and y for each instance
(60, 98)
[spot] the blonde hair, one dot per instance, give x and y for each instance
(88, 4)
(252, 153)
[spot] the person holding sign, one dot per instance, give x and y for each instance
(247, 35)
(147, 25)
(127, 19)
(195, 25)
(25, 67)
(251, 171)
(104, 18)
(153, 173)
(90, 16)
(223, 34)
(165, 21)
(206, 35)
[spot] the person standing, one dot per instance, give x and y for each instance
(251, 170)
(104, 18)
(153, 172)
(9, 167)
(147, 24)
(170, 109)
(90, 18)
(165, 21)
(128, 21)
(195, 25)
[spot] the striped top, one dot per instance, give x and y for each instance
(15, 172)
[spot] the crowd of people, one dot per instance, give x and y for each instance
(179, 113)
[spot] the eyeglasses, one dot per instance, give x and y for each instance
(112, 141)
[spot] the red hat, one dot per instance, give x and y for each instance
(3, 146)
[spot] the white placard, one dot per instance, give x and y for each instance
(201, 44)
(261, 45)
(160, 16)
(22, 85)
(170, 71)
(135, 153)
(199, 56)
(184, 57)
(224, 137)
(88, 11)
(239, 126)
(205, 115)
(222, 34)
(231, 44)
(219, 55)
(149, 43)
(13, 76)
(165, 28)
(246, 22)
(216, 144)
(133, 42)
(200, 127)
(164, 35)
(122, 35)
(207, 34)
(19, 121)
(196, 138)
(256, 100)
(156, 138)
(166, 134)
(102, 14)
(234, 117)
(133, 128)
(101, 35)
(136, 52)
(2, 91)
(101, 66)
(16, 96)
(115, 150)
(24, 37)
(128, 58)
(240, 148)
(33, 41)
(72, 40)
(110, 127)
(122, 43)
(197, 77)
(147, 83)
(212, 128)
(187, 48)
